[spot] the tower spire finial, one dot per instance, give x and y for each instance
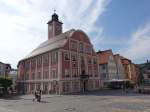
(54, 10)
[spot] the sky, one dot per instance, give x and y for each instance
(120, 25)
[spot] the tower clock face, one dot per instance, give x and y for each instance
(58, 28)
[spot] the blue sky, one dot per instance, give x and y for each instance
(120, 25)
(123, 17)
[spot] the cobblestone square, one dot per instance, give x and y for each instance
(97, 101)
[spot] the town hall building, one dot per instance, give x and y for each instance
(65, 63)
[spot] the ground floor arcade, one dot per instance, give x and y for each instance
(58, 87)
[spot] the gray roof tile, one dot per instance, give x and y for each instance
(51, 44)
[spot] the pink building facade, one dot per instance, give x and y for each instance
(65, 63)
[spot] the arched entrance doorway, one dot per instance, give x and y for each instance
(84, 81)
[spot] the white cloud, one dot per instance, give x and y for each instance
(22, 30)
(139, 48)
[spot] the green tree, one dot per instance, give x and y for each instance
(5, 82)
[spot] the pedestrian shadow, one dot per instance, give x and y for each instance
(44, 101)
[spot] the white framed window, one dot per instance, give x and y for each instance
(74, 57)
(74, 64)
(89, 61)
(66, 56)
(31, 87)
(66, 87)
(94, 61)
(88, 49)
(97, 84)
(74, 72)
(95, 73)
(27, 65)
(39, 60)
(26, 77)
(54, 57)
(33, 63)
(81, 47)
(67, 73)
(45, 75)
(39, 75)
(90, 82)
(75, 86)
(90, 72)
(73, 45)
(54, 74)
(33, 76)
(82, 60)
(46, 59)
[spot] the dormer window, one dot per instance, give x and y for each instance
(81, 47)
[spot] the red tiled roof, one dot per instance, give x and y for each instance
(125, 60)
(103, 56)
(117, 57)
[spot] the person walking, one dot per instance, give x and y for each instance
(39, 96)
(35, 95)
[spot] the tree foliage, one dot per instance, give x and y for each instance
(5, 82)
(143, 67)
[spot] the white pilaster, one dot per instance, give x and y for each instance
(59, 65)
(41, 85)
(30, 76)
(49, 84)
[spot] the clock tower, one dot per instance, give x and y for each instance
(54, 26)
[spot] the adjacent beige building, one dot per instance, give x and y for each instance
(120, 69)
(107, 66)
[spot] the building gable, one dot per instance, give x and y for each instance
(81, 36)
